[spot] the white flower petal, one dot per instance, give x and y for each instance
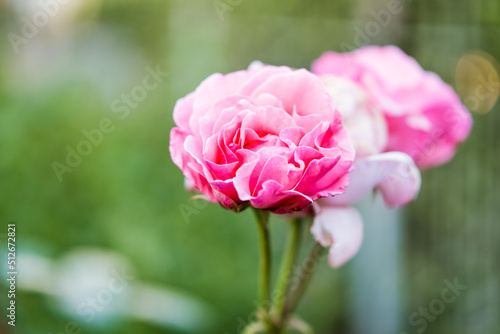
(394, 174)
(342, 229)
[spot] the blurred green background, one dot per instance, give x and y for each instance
(124, 204)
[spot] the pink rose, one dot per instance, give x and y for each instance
(266, 137)
(424, 116)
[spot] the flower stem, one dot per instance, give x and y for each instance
(306, 272)
(265, 257)
(283, 281)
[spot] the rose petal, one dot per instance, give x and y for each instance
(273, 197)
(300, 91)
(342, 229)
(394, 174)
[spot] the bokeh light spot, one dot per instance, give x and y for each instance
(477, 81)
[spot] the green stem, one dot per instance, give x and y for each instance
(265, 257)
(306, 272)
(285, 272)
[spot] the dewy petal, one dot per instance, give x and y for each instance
(394, 174)
(342, 229)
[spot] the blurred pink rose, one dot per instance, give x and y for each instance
(268, 137)
(424, 116)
